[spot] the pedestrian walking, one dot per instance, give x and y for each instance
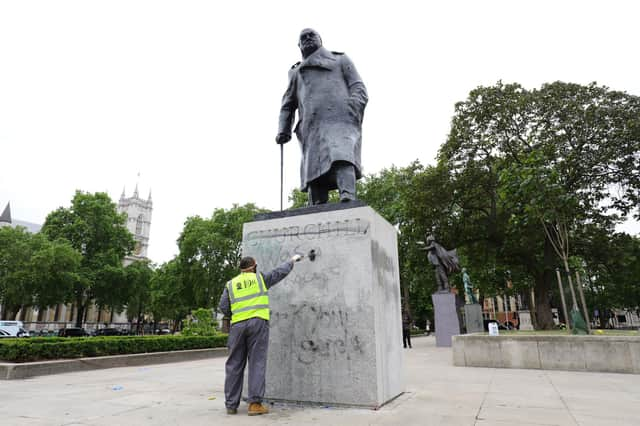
(246, 301)
(407, 322)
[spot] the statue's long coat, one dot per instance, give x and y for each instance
(439, 256)
(330, 98)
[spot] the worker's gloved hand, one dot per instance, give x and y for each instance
(296, 258)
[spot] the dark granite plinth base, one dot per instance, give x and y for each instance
(318, 208)
(473, 318)
(446, 318)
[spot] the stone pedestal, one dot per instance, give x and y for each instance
(525, 320)
(335, 329)
(473, 318)
(446, 318)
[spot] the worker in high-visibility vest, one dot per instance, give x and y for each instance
(245, 300)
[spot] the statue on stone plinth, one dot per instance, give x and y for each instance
(330, 98)
(445, 262)
(468, 287)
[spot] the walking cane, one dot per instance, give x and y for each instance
(281, 174)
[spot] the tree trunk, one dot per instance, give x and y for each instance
(80, 313)
(534, 319)
(544, 317)
(139, 316)
(532, 309)
(407, 305)
(10, 312)
(604, 318)
(176, 323)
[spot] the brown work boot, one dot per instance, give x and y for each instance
(255, 409)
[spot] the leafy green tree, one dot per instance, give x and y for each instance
(552, 156)
(167, 299)
(16, 283)
(210, 251)
(93, 226)
(586, 142)
(33, 270)
(55, 267)
(609, 264)
(138, 276)
(486, 131)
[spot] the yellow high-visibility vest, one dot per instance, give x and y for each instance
(248, 297)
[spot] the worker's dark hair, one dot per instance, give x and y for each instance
(247, 262)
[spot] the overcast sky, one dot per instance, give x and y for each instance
(187, 93)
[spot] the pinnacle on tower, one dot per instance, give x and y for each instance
(122, 195)
(135, 192)
(149, 199)
(6, 215)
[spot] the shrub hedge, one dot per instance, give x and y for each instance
(48, 348)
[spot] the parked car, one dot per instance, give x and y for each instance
(5, 334)
(14, 328)
(107, 332)
(72, 332)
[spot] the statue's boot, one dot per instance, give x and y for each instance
(345, 176)
(346, 196)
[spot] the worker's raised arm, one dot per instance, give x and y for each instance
(276, 275)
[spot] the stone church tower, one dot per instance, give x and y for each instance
(138, 222)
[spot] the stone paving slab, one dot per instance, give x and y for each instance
(191, 393)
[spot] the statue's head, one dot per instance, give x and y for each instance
(464, 270)
(430, 239)
(309, 41)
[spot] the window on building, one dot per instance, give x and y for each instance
(139, 224)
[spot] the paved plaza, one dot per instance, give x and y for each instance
(191, 393)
